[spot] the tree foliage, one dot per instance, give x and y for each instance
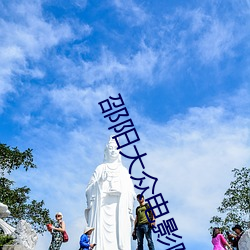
(17, 199)
(235, 206)
(6, 240)
(13, 158)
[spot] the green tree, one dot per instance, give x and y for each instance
(17, 199)
(235, 207)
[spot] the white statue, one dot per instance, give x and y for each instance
(244, 242)
(110, 198)
(4, 212)
(25, 235)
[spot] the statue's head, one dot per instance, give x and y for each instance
(111, 153)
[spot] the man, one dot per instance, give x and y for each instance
(142, 226)
(238, 230)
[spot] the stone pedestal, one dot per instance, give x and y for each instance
(13, 247)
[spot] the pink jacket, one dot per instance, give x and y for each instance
(219, 242)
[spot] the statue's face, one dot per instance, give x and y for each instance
(113, 153)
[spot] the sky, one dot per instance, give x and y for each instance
(182, 68)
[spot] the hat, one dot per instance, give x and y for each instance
(87, 229)
(237, 227)
(59, 213)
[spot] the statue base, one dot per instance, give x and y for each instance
(12, 247)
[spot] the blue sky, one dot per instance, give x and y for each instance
(182, 68)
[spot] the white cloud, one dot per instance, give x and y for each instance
(31, 33)
(217, 42)
(79, 102)
(143, 63)
(25, 35)
(10, 59)
(80, 3)
(131, 12)
(123, 70)
(240, 100)
(198, 33)
(105, 69)
(198, 19)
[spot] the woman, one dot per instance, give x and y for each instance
(84, 240)
(56, 231)
(218, 240)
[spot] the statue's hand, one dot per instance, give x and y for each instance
(90, 201)
(132, 219)
(90, 204)
(104, 175)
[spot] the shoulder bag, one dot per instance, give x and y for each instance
(65, 236)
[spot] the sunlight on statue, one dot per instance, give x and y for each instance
(244, 242)
(24, 236)
(4, 212)
(110, 198)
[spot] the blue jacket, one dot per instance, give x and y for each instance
(84, 242)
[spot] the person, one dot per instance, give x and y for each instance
(231, 240)
(142, 226)
(238, 230)
(85, 239)
(56, 231)
(110, 198)
(218, 240)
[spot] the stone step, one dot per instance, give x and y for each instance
(12, 247)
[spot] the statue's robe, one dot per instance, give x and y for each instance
(244, 242)
(110, 198)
